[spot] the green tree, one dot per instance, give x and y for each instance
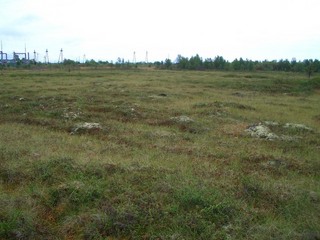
(195, 63)
(219, 63)
(168, 63)
(182, 62)
(309, 66)
(208, 63)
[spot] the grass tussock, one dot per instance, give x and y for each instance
(146, 154)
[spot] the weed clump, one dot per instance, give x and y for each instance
(55, 170)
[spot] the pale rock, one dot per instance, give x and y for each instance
(297, 126)
(261, 131)
(182, 119)
(86, 126)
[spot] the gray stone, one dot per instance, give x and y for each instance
(271, 123)
(297, 126)
(86, 126)
(182, 119)
(261, 131)
(71, 115)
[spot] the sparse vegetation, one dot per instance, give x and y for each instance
(168, 156)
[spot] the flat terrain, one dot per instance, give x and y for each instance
(151, 154)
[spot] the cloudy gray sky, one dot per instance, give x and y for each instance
(106, 30)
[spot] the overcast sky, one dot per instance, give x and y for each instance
(106, 30)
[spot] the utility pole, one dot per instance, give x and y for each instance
(134, 60)
(146, 57)
(60, 60)
(1, 53)
(47, 56)
(26, 56)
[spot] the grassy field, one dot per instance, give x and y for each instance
(168, 158)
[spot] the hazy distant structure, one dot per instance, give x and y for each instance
(4, 57)
(3, 60)
(25, 57)
(60, 60)
(3, 54)
(16, 58)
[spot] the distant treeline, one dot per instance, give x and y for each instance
(219, 63)
(196, 63)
